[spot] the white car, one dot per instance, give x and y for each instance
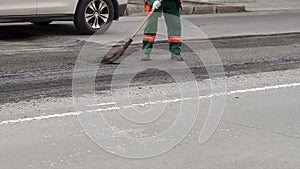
(88, 16)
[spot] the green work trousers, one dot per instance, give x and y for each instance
(171, 10)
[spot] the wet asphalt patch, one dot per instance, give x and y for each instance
(48, 73)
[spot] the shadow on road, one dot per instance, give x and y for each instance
(25, 31)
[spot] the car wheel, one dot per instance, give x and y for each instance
(42, 23)
(94, 16)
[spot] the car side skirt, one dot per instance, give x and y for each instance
(37, 18)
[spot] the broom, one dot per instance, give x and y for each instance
(117, 51)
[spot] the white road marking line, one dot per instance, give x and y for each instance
(266, 88)
(101, 104)
(56, 116)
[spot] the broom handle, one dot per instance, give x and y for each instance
(143, 23)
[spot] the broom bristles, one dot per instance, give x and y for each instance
(115, 53)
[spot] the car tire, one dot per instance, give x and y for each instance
(42, 23)
(94, 16)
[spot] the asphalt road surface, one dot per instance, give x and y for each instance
(43, 126)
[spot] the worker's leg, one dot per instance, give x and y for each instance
(172, 18)
(150, 32)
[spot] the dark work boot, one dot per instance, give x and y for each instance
(145, 57)
(176, 57)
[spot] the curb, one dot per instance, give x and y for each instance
(209, 9)
(192, 10)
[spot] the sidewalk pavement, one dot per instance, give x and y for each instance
(264, 5)
(211, 26)
(223, 6)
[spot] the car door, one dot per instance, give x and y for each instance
(18, 7)
(56, 6)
